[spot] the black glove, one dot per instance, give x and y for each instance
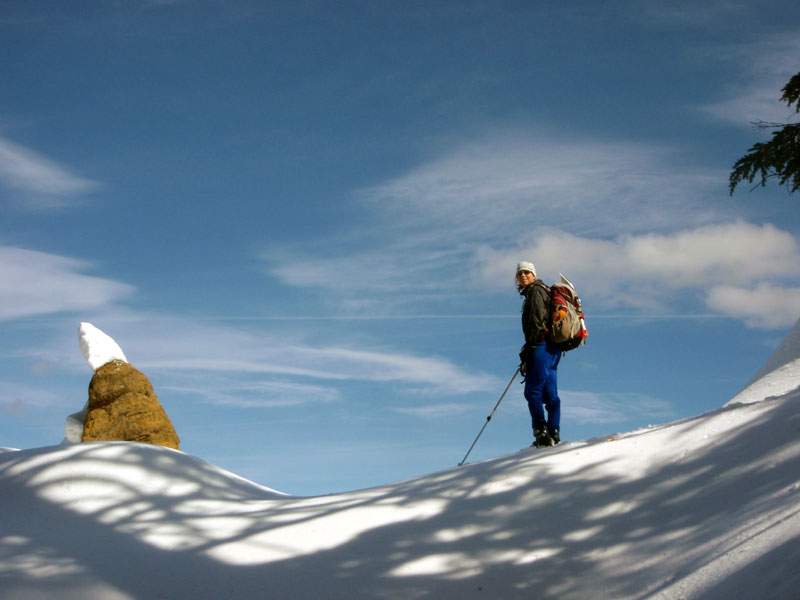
(523, 366)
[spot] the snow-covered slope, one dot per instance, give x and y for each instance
(701, 508)
(779, 375)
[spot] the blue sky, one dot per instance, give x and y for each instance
(301, 220)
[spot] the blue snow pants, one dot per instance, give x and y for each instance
(541, 385)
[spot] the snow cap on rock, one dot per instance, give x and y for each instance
(98, 348)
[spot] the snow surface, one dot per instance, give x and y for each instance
(706, 507)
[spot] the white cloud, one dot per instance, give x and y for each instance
(37, 283)
(766, 306)
(646, 271)
(736, 252)
(46, 181)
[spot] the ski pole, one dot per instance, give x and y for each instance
(489, 418)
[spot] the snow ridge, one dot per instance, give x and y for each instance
(779, 375)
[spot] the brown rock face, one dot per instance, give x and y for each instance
(124, 407)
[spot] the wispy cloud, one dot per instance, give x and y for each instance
(17, 399)
(762, 69)
(257, 354)
(497, 187)
(435, 411)
(46, 183)
(223, 390)
(687, 13)
(252, 367)
(614, 407)
(37, 283)
(420, 231)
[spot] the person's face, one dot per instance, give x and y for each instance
(526, 278)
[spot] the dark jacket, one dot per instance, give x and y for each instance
(535, 313)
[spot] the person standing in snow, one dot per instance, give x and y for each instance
(540, 357)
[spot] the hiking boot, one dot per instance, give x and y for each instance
(542, 437)
(554, 436)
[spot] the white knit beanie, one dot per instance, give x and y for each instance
(526, 266)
